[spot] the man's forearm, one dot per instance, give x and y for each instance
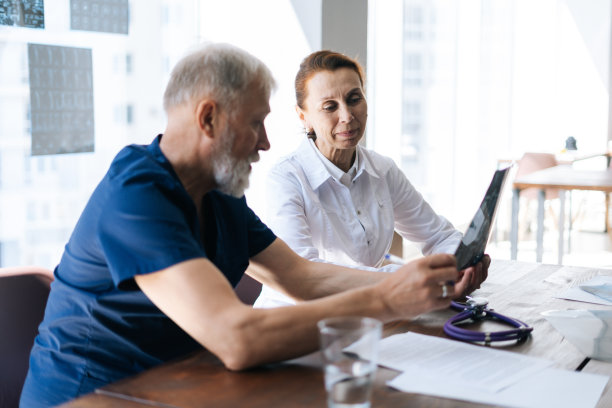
(324, 279)
(276, 334)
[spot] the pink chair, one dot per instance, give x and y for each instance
(23, 297)
(531, 162)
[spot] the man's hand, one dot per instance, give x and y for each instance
(416, 287)
(475, 275)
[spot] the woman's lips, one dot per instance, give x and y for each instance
(347, 133)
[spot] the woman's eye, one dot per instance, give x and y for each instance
(354, 99)
(329, 107)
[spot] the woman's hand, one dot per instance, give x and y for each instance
(475, 275)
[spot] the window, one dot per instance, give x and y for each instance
(128, 62)
(483, 80)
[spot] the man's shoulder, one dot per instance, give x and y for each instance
(137, 165)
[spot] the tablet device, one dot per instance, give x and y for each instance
(472, 246)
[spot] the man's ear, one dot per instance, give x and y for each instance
(206, 114)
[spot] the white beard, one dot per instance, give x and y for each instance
(232, 175)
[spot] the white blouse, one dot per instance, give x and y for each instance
(327, 215)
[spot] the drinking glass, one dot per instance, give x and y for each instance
(349, 346)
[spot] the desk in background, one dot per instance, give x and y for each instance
(521, 290)
(563, 178)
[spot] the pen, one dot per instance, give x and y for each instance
(395, 259)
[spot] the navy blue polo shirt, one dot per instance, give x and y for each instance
(98, 326)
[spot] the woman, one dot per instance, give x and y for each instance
(334, 201)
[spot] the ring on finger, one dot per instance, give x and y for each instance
(444, 291)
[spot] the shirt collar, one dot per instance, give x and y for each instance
(365, 163)
(319, 169)
(333, 170)
(315, 170)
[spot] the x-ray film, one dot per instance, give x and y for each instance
(472, 246)
(22, 13)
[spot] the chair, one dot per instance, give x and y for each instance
(529, 163)
(23, 297)
(248, 289)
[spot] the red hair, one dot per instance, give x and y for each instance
(322, 61)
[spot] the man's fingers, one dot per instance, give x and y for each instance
(446, 275)
(440, 260)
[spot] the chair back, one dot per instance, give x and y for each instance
(23, 297)
(531, 162)
(248, 289)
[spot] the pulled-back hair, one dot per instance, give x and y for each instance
(322, 61)
(220, 71)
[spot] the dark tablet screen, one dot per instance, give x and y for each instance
(472, 245)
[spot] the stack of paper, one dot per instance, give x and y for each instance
(589, 330)
(598, 290)
(452, 369)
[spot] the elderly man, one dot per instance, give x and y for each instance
(147, 274)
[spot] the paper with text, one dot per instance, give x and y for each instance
(442, 361)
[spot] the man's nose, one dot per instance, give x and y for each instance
(263, 143)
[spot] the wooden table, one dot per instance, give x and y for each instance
(521, 290)
(564, 178)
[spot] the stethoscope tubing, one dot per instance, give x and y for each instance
(521, 329)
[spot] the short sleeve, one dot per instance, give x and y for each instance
(260, 236)
(145, 229)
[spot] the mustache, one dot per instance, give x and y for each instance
(253, 158)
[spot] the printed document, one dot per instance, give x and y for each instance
(452, 369)
(453, 362)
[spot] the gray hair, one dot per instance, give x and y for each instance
(220, 71)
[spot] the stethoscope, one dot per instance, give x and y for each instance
(475, 309)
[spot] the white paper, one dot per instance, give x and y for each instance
(600, 286)
(504, 272)
(441, 361)
(580, 295)
(550, 387)
(589, 330)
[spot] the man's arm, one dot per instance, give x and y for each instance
(283, 270)
(198, 298)
(279, 267)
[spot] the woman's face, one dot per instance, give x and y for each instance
(336, 109)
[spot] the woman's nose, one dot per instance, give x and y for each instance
(346, 115)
